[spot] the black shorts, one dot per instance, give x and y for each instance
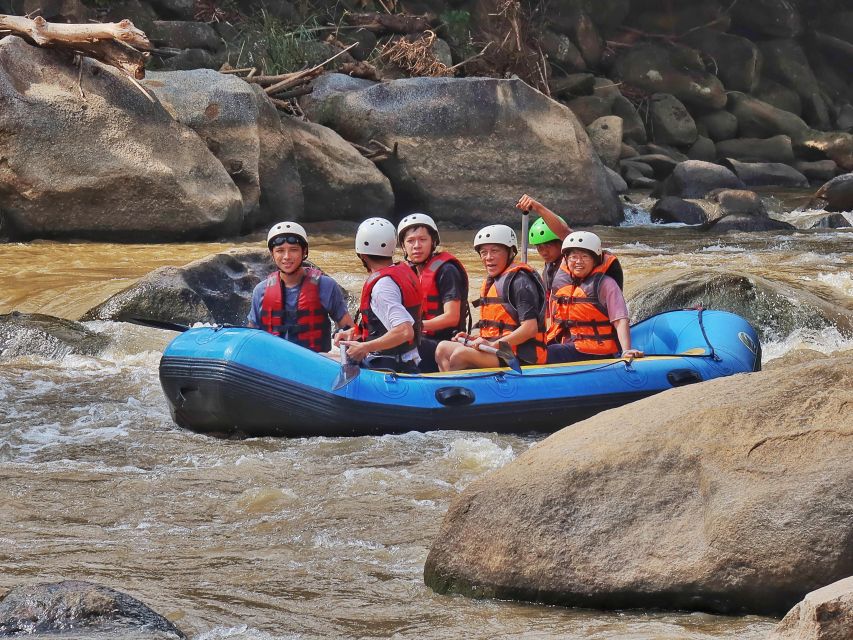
(558, 353)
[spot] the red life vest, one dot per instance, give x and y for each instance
(313, 328)
(577, 312)
(498, 316)
(432, 305)
(370, 327)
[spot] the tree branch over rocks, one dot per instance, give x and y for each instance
(389, 23)
(118, 44)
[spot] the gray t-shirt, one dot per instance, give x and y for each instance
(386, 301)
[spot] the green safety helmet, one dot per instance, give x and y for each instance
(540, 233)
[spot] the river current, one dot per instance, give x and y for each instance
(305, 538)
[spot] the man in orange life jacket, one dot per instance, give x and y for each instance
(296, 302)
(389, 324)
(444, 281)
(590, 317)
(512, 307)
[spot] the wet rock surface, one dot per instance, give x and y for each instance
(824, 614)
(35, 334)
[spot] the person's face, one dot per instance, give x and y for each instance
(580, 263)
(549, 251)
(495, 258)
(417, 244)
(288, 257)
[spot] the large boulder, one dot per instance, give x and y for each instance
(749, 224)
(775, 149)
(217, 289)
(185, 35)
(669, 121)
(831, 145)
(695, 178)
(819, 171)
(726, 496)
(767, 174)
(653, 68)
(838, 193)
(605, 134)
(760, 19)
(786, 62)
(241, 127)
(80, 609)
(774, 308)
(824, 614)
(758, 119)
(34, 334)
(718, 125)
(337, 181)
(465, 148)
(112, 165)
(778, 95)
(673, 209)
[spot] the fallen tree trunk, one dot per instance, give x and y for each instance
(118, 44)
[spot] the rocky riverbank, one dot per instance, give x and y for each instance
(606, 97)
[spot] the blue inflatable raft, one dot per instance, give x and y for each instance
(238, 381)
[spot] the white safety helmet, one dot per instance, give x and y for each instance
(376, 237)
(496, 234)
(582, 240)
(416, 220)
(286, 229)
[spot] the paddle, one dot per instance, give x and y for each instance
(504, 352)
(525, 221)
(349, 370)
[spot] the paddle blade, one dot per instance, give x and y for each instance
(347, 374)
(158, 324)
(505, 353)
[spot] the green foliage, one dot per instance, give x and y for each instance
(456, 30)
(274, 47)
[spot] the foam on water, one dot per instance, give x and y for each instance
(243, 632)
(841, 280)
(636, 216)
(479, 454)
(827, 340)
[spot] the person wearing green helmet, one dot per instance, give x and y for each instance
(547, 235)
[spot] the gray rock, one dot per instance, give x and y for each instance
(779, 96)
(217, 289)
(560, 50)
(785, 61)
(671, 209)
(642, 168)
(817, 170)
(775, 149)
(190, 59)
(605, 134)
(669, 121)
(694, 179)
(677, 19)
(660, 504)
(844, 121)
(185, 35)
(619, 185)
(720, 125)
(831, 145)
(832, 221)
(662, 149)
(242, 129)
(588, 109)
(767, 174)
(572, 85)
(838, 24)
(337, 181)
(468, 154)
(838, 193)
(737, 202)
(73, 607)
(662, 165)
(627, 151)
(147, 177)
(366, 40)
(607, 90)
(703, 149)
(652, 68)
(823, 614)
(757, 119)
(608, 14)
(34, 334)
(746, 223)
(737, 60)
(141, 14)
(633, 127)
(56, 10)
(175, 9)
(767, 18)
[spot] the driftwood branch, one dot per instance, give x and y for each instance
(297, 78)
(118, 44)
(384, 23)
(375, 150)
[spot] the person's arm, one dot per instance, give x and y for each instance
(555, 224)
(451, 287)
(525, 331)
(386, 302)
(623, 331)
(617, 311)
(448, 319)
(253, 319)
(400, 334)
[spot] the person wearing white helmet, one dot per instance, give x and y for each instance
(296, 302)
(444, 281)
(389, 326)
(512, 307)
(589, 313)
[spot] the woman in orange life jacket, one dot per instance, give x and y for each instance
(444, 281)
(296, 302)
(512, 307)
(389, 324)
(590, 317)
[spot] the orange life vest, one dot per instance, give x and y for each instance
(577, 312)
(432, 305)
(370, 326)
(499, 317)
(312, 326)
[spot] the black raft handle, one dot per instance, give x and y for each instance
(455, 396)
(682, 377)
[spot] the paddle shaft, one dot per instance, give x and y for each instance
(525, 222)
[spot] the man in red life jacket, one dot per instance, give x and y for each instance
(444, 281)
(590, 317)
(389, 326)
(512, 307)
(296, 302)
